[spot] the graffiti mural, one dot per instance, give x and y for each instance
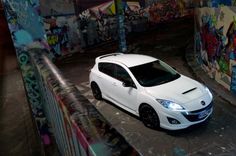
(163, 11)
(99, 24)
(73, 25)
(27, 31)
(62, 34)
(60, 24)
(216, 43)
(21, 18)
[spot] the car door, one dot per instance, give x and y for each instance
(126, 96)
(106, 79)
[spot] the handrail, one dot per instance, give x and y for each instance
(78, 127)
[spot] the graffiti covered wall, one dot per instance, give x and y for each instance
(60, 24)
(216, 43)
(74, 25)
(62, 34)
(26, 28)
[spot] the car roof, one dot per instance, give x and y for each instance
(129, 60)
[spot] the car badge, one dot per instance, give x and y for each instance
(203, 103)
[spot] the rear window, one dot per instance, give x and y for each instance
(107, 68)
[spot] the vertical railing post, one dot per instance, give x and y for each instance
(121, 25)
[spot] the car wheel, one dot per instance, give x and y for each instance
(149, 116)
(96, 91)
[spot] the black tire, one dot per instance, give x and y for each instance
(96, 91)
(149, 116)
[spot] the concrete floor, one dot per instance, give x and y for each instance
(214, 137)
(17, 132)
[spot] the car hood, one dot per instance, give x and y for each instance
(181, 90)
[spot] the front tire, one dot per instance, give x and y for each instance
(149, 116)
(96, 91)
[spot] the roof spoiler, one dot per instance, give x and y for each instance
(107, 55)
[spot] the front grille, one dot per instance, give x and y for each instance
(198, 114)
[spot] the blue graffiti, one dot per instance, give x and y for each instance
(233, 80)
(26, 17)
(22, 37)
(216, 3)
(58, 39)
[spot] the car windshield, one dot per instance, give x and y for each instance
(154, 73)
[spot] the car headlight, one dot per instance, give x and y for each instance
(170, 105)
(208, 91)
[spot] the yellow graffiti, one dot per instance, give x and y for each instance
(52, 40)
(13, 21)
(214, 20)
(234, 20)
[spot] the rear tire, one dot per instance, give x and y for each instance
(149, 116)
(96, 91)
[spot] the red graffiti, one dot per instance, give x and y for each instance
(210, 42)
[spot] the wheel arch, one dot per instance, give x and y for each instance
(146, 104)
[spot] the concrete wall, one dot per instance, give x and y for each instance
(216, 44)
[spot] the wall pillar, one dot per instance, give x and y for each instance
(121, 25)
(26, 28)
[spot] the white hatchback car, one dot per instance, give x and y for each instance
(151, 89)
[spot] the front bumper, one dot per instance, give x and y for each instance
(198, 115)
(186, 118)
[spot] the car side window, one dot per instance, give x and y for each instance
(122, 74)
(107, 68)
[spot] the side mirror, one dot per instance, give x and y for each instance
(127, 84)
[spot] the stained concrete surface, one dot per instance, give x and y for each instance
(17, 131)
(214, 137)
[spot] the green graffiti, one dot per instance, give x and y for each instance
(234, 2)
(31, 84)
(23, 58)
(222, 5)
(234, 21)
(224, 67)
(214, 20)
(33, 88)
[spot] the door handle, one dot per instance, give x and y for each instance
(114, 84)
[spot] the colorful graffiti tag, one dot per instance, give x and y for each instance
(233, 80)
(216, 44)
(62, 34)
(163, 11)
(21, 18)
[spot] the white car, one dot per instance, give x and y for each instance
(151, 89)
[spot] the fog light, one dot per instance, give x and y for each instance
(173, 121)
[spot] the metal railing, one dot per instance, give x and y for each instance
(77, 126)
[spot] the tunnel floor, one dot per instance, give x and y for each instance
(167, 42)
